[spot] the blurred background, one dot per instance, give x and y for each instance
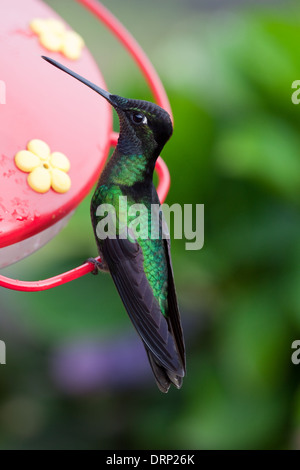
(76, 374)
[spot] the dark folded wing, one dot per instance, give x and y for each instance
(125, 261)
(173, 310)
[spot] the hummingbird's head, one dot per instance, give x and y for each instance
(145, 127)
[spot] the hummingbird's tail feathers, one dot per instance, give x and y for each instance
(163, 376)
(159, 372)
(175, 379)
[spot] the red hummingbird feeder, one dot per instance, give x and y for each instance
(53, 145)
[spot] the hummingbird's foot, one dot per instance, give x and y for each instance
(98, 265)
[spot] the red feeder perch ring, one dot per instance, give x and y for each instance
(30, 235)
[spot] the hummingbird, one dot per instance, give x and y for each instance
(140, 267)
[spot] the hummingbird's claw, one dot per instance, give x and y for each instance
(98, 266)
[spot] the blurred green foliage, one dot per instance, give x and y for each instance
(235, 148)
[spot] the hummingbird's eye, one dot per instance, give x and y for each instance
(138, 118)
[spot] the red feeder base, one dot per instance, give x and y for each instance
(37, 103)
(66, 116)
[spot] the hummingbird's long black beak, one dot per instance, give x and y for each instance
(94, 87)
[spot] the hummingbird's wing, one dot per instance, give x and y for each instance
(164, 377)
(173, 310)
(160, 335)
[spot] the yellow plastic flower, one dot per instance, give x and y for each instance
(56, 38)
(45, 169)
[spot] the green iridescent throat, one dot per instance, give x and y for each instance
(130, 170)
